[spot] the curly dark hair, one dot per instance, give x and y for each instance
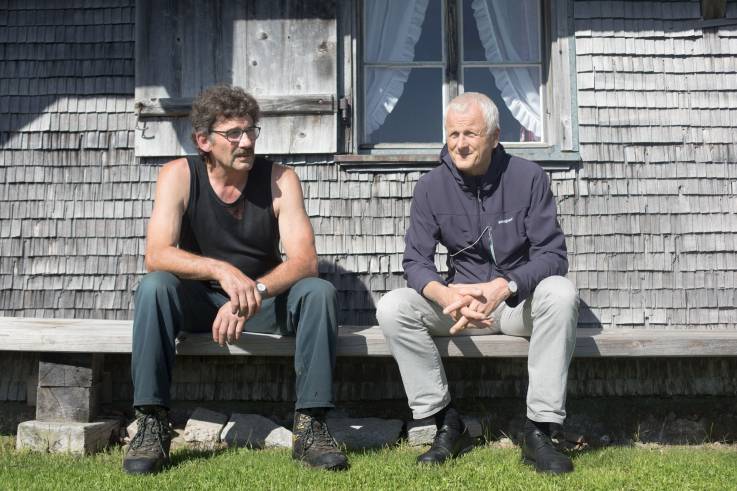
(221, 102)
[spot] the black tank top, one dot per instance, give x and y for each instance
(243, 233)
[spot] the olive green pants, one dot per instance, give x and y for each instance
(166, 305)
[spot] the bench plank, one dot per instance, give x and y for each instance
(111, 336)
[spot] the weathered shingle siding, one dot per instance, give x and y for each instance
(652, 232)
(73, 201)
(650, 215)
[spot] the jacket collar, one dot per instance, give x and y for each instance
(499, 162)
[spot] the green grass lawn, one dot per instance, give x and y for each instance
(487, 467)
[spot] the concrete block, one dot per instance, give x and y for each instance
(132, 429)
(204, 427)
(422, 431)
(65, 437)
(252, 430)
(365, 433)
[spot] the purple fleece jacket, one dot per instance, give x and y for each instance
(503, 223)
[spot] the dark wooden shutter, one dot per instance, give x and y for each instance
(283, 52)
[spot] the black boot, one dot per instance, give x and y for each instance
(538, 450)
(451, 440)
(312, 442)
(148, 451)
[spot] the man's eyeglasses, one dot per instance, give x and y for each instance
(234, 135)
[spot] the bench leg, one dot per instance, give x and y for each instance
(67, 387)
(66, 405)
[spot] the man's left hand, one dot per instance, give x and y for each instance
(227, 326)
(475, 307)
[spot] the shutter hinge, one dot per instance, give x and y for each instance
(345, 111)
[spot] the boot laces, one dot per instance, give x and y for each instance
(317, 435)
(152, 430)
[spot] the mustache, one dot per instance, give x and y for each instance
(244, 153)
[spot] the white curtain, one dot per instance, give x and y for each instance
(507, 38)
(394, 28)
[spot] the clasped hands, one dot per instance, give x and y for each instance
(244, 301)
(471, 305)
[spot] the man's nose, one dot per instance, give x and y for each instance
(245, 141)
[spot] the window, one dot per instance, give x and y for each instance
(416, 55)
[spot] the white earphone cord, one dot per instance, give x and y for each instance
(474, 242)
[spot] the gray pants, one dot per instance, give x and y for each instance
(549, 317)
(166, 304)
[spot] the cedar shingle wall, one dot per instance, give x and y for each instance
(652, 232)
(73, 201)
(650, 215)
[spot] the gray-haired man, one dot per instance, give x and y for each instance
(507, 256)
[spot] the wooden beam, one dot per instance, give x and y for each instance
(68, 385)
(109, 336)
(270, 105)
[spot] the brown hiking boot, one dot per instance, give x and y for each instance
(313, 444)
(148, 451)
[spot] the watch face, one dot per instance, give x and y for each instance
(512, 287)
(261, 287)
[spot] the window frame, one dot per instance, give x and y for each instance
(558, 77)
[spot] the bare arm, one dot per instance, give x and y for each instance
(295, 229)
(164, 228)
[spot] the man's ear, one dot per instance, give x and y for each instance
(203, 142)
(495, 137)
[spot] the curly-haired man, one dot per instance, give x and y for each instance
(212, 252)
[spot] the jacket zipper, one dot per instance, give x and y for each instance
(479, 207)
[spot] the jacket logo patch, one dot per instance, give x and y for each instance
(506, 220)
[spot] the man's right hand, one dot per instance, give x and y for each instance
(446, 296)
(245, 300)
(461, 302)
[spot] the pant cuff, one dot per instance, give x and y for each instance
(313, 405)
(431, 410)
(152, 402)
(545, 417)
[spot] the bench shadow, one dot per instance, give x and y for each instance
(587, 319)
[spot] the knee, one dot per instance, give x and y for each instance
(317, 289)
(558, 292)
(152, 284)
(392, 307)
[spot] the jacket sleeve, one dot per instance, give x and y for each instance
(420, 242)
(547, 253)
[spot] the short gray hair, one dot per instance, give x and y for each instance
(488, 108)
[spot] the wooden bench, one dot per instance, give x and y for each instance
(108, 336)
(72, 351)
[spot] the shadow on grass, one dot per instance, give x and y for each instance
(184, 454)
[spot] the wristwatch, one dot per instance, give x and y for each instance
(261, 288)
(512, 285)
